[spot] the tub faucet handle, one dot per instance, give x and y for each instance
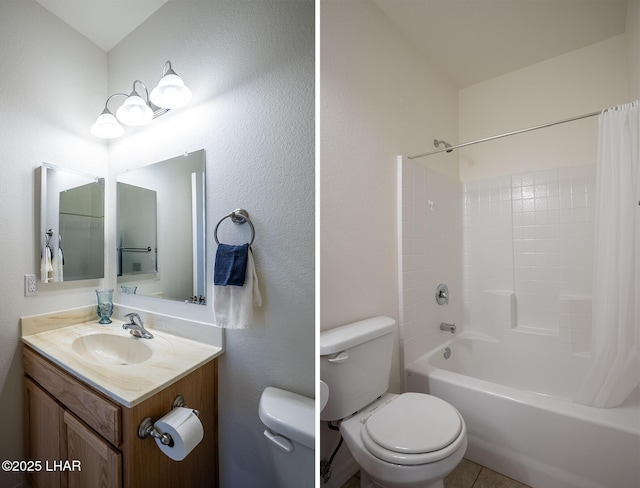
(442, 294)
(448, 327)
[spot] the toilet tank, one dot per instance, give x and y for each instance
(289, 419)
(355, 362)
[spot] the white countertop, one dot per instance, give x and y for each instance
(172, 358)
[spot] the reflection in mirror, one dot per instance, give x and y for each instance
(72, 225)
(136, 232)
(161, 229)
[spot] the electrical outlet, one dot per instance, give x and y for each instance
(30, 285)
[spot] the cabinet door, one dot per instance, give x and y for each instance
(42, 418)
(100, 464)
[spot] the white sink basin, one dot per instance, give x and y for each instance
(111, 349)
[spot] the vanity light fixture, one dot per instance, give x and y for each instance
(137, 110)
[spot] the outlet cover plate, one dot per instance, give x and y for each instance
(30, 288)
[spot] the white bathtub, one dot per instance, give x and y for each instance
(516, 402)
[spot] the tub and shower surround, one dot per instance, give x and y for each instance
(515, 252)
(528, 243)
(530, 265)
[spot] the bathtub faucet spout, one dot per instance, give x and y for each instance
(448, 327)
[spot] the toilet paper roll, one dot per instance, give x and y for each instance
(186, 430)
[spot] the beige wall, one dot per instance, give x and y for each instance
(632, 33)
(379, 98)
(580, 82)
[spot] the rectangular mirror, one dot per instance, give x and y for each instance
(161, 234)
(72, 225)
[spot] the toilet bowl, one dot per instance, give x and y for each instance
(411, 440)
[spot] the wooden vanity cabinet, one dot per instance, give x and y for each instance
(67, 421)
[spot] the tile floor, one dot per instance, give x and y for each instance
(467, 475)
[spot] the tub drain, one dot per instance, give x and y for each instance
(447, 353)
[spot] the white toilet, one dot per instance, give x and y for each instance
(290, 427)
(412, 440)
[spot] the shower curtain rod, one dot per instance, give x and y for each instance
(451, 148)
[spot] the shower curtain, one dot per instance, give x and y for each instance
(615, 370)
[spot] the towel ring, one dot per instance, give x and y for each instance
(238, 216)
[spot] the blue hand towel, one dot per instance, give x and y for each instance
(231, 265)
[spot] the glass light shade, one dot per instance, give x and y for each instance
(134, 111)
(171, 92)
(107, 126)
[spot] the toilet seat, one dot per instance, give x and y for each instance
(413, 429)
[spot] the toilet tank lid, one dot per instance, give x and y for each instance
(344, 337)
(288, 414)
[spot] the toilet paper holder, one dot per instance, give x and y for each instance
(148, 429)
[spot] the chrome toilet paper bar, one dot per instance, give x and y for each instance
(148, 429)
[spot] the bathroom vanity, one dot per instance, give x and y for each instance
(82, 414)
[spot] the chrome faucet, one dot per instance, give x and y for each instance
(136, 327)
(448, 327)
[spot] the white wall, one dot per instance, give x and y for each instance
(580, 82)
(53, 84)
(250, 66)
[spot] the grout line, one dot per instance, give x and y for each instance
(477, 476)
